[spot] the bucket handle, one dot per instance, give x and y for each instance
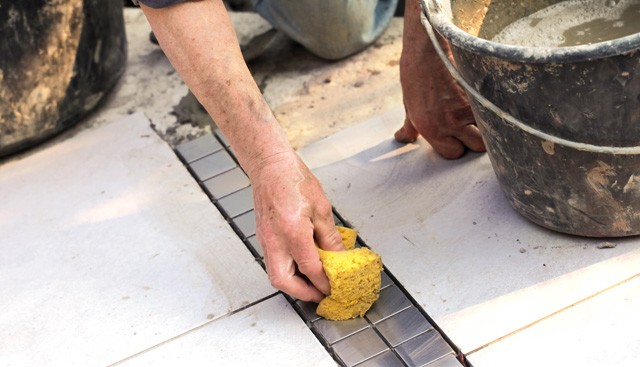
(507, 117)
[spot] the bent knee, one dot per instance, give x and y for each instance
(330, 29)
(332, 43)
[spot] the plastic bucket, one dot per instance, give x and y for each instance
(561, 125)
(59, 60)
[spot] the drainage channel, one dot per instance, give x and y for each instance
(396, 331)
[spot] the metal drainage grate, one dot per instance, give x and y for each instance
(396, 331)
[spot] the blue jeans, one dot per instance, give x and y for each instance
(331, 29)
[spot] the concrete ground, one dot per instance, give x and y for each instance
(312, 98)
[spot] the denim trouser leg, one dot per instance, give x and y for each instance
(331, 29)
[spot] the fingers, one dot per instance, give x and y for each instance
(295, 267)
(471, 137)
(448, 147)
(407, 133)
(465, 134)
(282, 275)
(292, 211)
(325, 233)
(467, 131)
(449, 136)
(308, 260)
(453, 147)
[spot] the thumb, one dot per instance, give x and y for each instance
(327, 236)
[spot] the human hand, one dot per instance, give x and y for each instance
(436, 106)
(291, 208)
(291, 212)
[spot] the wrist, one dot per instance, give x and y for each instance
(258, 164)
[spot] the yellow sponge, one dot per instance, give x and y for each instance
(348, 237)
(354, 276)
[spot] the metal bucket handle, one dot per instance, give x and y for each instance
(506, 116)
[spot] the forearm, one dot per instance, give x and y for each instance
(416, 44)
(436, 106)
(414, 37)
(199, 40)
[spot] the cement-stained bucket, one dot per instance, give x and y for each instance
(58, 60)
(561, 123)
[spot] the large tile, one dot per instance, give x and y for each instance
(447, 233)
(108, 247)
(601, 331)
(269, 333)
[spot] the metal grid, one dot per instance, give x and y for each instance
(396, 331)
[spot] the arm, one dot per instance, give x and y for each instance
(436, 106)
(291, 208)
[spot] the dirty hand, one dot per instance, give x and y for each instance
(291, 208)
(436, 106)
(292, 211)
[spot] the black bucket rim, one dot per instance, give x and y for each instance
(434, 12)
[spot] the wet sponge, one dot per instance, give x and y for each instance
(355, 280)
(349, 237)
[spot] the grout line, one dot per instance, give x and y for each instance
(386, 342)
(197, 327)
(379, 353)
(228, 149)
(387, 317)
(555, 313)
(241, 213)
(441, 358)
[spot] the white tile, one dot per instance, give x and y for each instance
(602, 331)
(267, 334)
(446, 231)
(108, 246)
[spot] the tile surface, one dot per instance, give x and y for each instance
(424, 349)
(198, 148)
(602, 331)
(448, 234)
(385, 359)
(446, 361)
(308, 310)
(212, 165)
(237, 203)
(359, 347)
(226, 183)
(385, 281)
(246, 223)
(109, 247)
(334, 331)
(391, 301)
(253, 240)
(403, 326)
(267, 334)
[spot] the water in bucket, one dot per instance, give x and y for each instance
(573, 23)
